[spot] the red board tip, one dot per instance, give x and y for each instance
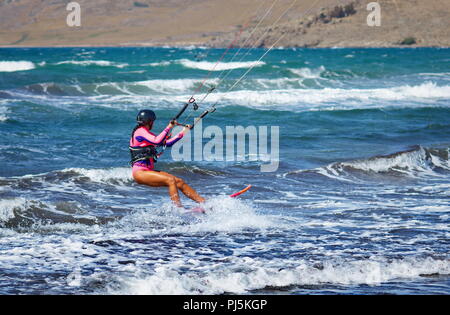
(241, 192)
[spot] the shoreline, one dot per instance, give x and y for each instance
(213, 47)
(309, 24)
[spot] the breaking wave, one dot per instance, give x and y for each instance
(265, 93)
(99, 63)
(13, 66)
(209, 66)
(414, 163)
(249, 276)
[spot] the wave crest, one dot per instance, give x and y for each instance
(414, 163)
(250, 275)
(99, 63)
(209, 66)
(13, 66)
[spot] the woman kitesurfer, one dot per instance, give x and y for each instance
(143, 144)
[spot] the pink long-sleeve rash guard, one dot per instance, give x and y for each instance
(143, 137)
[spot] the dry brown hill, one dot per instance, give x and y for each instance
(313, 23)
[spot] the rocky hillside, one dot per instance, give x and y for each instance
(307, 23)
(403, 23)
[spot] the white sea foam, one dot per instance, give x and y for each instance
(3, 114)
(415, 160)
(101, 63)
(223, 215)
(425, 90)
(438, 74)
(7, 207)
(26, 208)
(158, 64)
(230, 215)
(53, 252)
(13, 66)
(148, 87)
(282, 83)
(118, 174)
(252, 274)
(270, 93)
(220, 66)
(414, 163)
(173, 86)
(341, 99)
(308, 73)
(206, 65)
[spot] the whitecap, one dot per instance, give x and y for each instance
(3, 114)
(247, 274)
(13, 66)
(100, 63)
(175, 85)
(220, 66)
(118, 174)
(7, 207)
(308, 73)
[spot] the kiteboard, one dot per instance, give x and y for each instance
(241, 192)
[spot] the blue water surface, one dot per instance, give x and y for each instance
(359, 202)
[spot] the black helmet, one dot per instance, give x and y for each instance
(145, 116)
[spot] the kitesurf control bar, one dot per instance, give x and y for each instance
(182, 125)
(206, 112)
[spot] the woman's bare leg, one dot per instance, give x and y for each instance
(187, 190)
(158, 179)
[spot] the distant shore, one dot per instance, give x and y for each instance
(212, 47)
(217, 23)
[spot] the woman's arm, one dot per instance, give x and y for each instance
(179, 136)
(150, 138)
(175, 139)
